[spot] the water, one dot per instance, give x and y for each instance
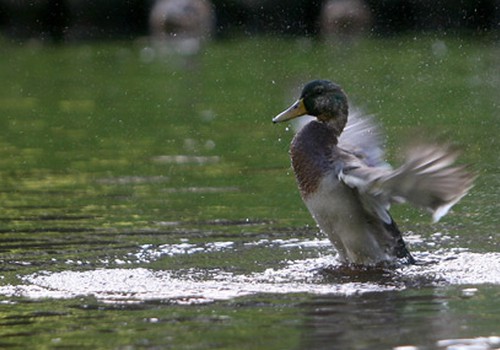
(149, 203)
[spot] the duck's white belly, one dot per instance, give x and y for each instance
(340, 215)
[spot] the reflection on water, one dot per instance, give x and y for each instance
(485, 343)
(388, 320)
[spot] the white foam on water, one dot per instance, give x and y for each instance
(460, 267)
(201, 286)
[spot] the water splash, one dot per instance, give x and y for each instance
(320, 275)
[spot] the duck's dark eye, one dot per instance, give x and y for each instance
(318, 91)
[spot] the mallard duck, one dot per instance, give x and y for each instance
(347, 186)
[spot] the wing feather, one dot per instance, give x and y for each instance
(428, 179)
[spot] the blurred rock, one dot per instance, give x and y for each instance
(182, 25)
(344, 19)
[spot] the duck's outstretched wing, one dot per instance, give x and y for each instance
(363, 138)
(427, 179)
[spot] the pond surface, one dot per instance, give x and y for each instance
(148, 201)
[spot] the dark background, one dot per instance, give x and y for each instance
(75, 20)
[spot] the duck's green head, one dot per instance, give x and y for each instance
(320, 98)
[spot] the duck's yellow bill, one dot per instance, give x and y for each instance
(295, 110)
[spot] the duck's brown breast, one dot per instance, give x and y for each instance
(313, 154)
